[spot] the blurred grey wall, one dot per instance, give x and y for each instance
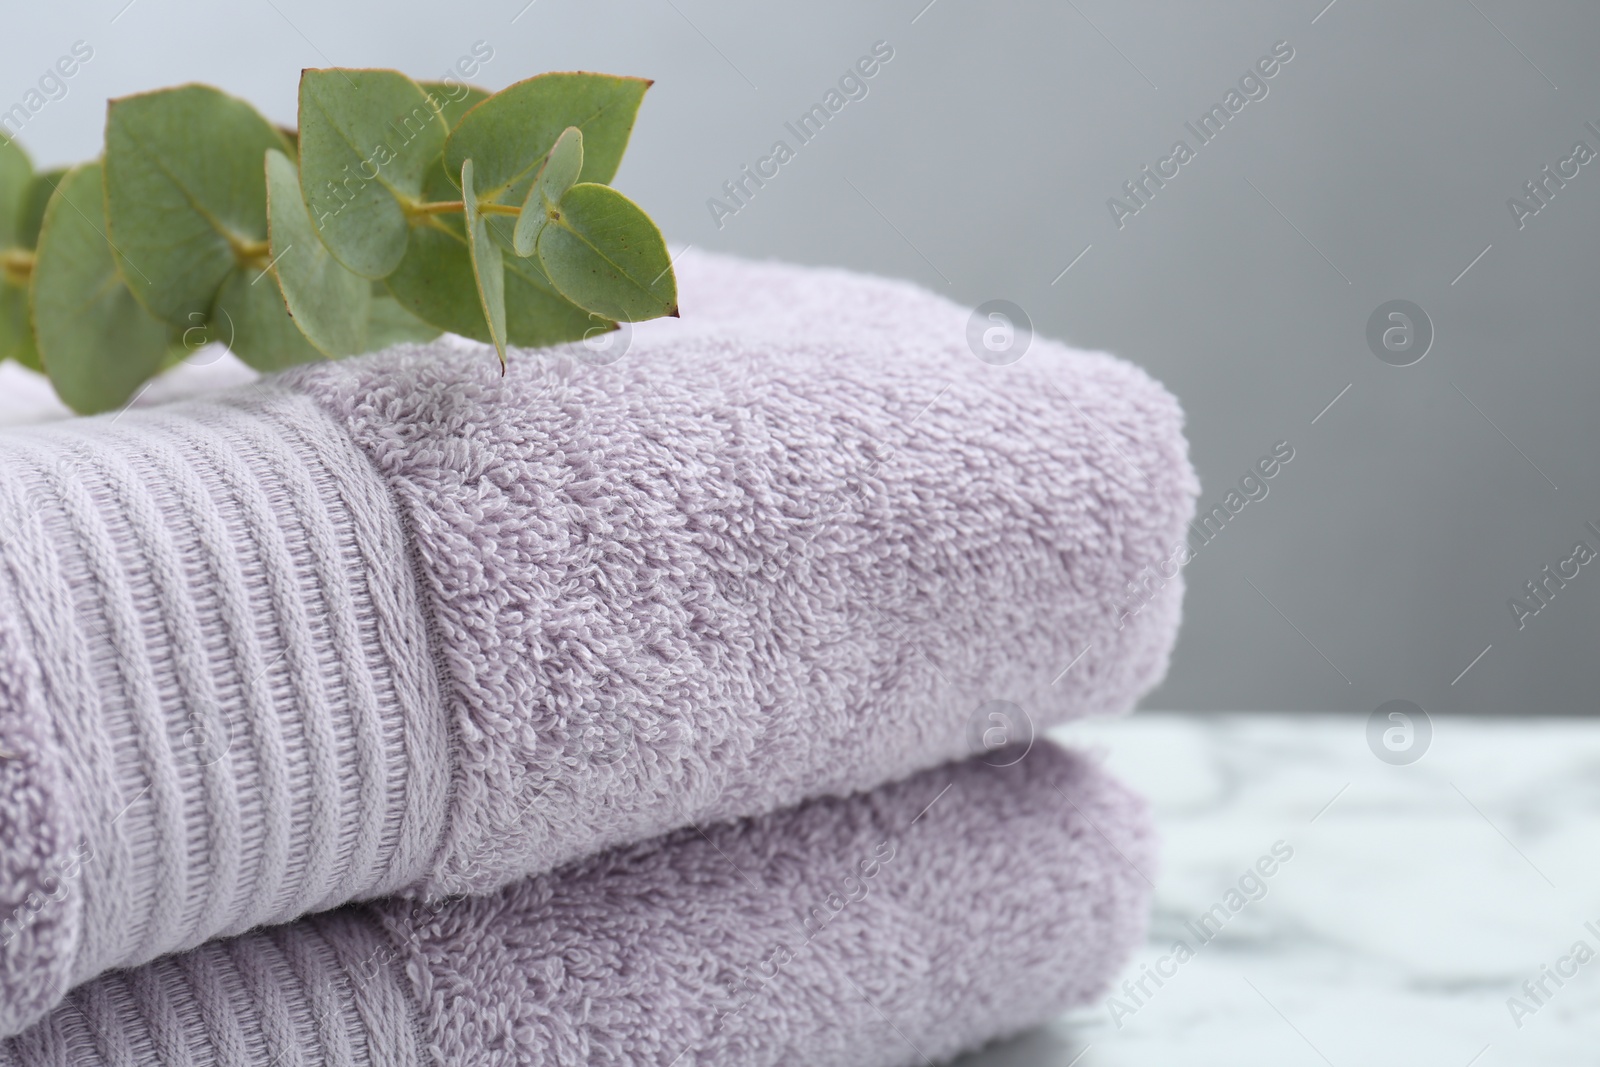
(1377, 166)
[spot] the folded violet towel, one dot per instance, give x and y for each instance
(400, 625)
(894, 927)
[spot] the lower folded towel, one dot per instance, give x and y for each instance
(897, 926)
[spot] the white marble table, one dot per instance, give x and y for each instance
(1417, 901)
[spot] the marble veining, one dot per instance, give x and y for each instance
(1417, 901)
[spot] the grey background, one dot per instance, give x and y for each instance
(1378, 167)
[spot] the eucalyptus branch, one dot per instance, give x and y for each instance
(396, 211)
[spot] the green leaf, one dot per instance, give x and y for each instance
(16, 317)
(16, 323)
(329, 303)
(435, 283)
(16, 327)
(537, 315)
(560, 173)
(488, 267)
(40, 190)
(388, 323)
(250, 313)
(367, 138)
(185, 193)
(603, 253)
(16, 174)
(508, 135)
(454, 99)
(96, 342)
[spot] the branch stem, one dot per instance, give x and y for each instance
(250, 253)
(456, 207)
(16, 266)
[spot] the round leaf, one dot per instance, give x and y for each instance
(366, 140)
(454, 99)
(16, 327)
(16, 318)
(508, 135)
(537, 315)
(250, 314)
(96, 342)
(390, 324)
(603, 253)
(488, 268)
(185, 193)
(560, 173)
(435, 283)
(329, 303)
(16, 174)
(40, 190)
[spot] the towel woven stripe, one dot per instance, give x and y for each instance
(319, 994)
(221, 602)
(172, 598)
(262, 783)
(387, 627)
(198, 556)
(106, 614)
(356, 756)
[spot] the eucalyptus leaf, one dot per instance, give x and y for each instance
(185, 193)
(508, 135)
(560, 173)
(367, 138)
(16, 174)
(537, 315)
(98, 344)
(250, 314)
(16, 317)
(16, 324)
(435, 283)
(450, 208)
(329, 303)
(454, 99)
(602, 252)
(40, 190)
(388, 323)
(488, 267)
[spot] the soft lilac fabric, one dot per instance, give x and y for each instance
(399, 624)
(895, 927)
(789, 553)
(38, 850)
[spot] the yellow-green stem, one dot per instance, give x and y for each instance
(16, 266)
(248, 253)
(437, 207)
(456, 207)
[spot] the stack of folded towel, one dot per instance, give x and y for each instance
(616, 711)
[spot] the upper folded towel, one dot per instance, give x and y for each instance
(400, 624)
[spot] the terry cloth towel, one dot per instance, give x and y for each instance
(399, 624)
(899, 926)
